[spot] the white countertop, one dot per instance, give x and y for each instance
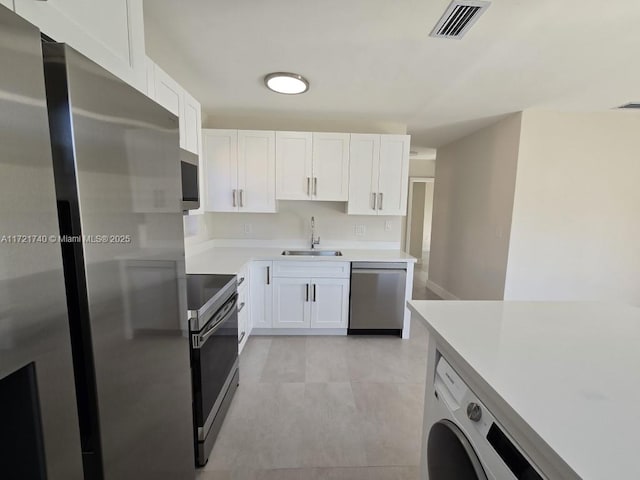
(569, 370)
(230, 260)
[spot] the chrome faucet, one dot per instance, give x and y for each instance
(314, 241)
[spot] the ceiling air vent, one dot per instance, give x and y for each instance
(631, 105)
(459, 18)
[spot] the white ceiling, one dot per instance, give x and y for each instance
(374, 58)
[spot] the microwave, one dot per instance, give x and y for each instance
(190, 187)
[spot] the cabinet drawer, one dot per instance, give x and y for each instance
(315, 269)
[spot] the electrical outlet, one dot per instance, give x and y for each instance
(387, 225)
(360, 230)
(247, 228)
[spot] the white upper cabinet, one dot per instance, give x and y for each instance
(293, 165)
(312, 166)
(191, 139)
(330, 168)
(169, 94)
(162, 88)
(220, 152)
(110, 33)
(239, 169)
(7, 3)
(256, 171)
(379, 174)
(394, 175)
(364, 173)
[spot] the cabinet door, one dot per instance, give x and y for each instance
(221, 170)
(329, 302)
(261, 294)
(394, 175)
(7, 3)
(330, 166)
(170, 95)
(291, 302)
(256, 171)
(363, 177)
(293, 165)
(109, 33)
(192, 123)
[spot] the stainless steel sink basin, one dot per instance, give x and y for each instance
(313, 253)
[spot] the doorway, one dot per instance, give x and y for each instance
(419, 216)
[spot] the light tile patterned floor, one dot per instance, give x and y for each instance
(335, 408)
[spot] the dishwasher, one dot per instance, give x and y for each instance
(377, 298)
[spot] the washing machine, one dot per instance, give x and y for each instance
(464, 441)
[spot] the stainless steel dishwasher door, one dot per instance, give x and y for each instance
(377, 297)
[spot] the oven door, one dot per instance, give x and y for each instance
(214, 351)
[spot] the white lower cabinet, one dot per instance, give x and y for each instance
(311, 294)
(261, 294)
(329, 302)
(291, 303)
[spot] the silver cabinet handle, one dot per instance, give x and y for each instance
(315, 185)
(241, 281)
(380, 206)
(233, 195)
(306, 298)
(375, 198)
(268, 275)
(314, 292)
(241, 197)
(199, 339)
(241, 337)
(240, 307)
(308, 185)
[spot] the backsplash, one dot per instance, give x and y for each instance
(292, 223)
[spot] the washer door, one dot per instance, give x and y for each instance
(450, 456)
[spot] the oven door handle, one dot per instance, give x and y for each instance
(199, 339)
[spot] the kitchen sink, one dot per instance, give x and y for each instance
(313, 253)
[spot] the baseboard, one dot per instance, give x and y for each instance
(441, 292)
(299, 331)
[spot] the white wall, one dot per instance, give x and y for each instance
(473, 200)
(576, 221)
(422, 168)
(292, 223)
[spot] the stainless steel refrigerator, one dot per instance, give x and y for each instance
(112, 176)
(39, 435)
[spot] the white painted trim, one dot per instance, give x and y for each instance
(441, 292)
(412, 181)
(299, 331)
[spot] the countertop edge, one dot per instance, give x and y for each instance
(251, 254)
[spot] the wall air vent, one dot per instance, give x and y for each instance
(631, 106)
(459, 18)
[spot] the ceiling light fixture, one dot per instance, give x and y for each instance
(286, 83)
